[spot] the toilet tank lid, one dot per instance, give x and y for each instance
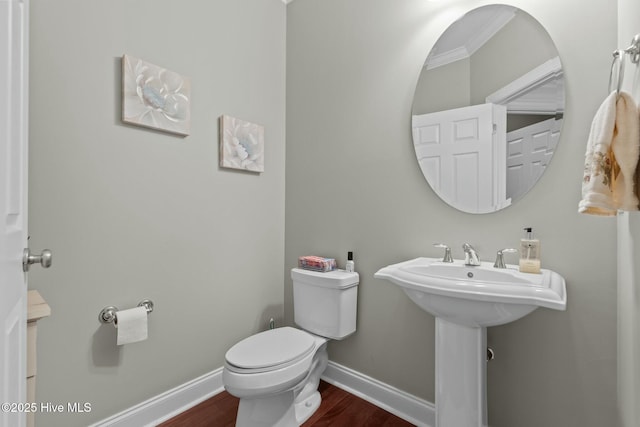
(270, 348)
(338, 279)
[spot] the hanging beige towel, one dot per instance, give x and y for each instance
(612, 157)
(625, 147)
(597, 194)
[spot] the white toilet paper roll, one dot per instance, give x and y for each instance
(131, 325)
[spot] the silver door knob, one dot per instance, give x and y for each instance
(45, 259)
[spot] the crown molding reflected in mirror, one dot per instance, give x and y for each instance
(488, 109)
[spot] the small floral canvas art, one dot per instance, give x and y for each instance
(241, 144)
(155, 97)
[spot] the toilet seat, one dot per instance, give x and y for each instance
(270, 350)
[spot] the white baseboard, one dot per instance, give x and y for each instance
(172, 402)
(168, 404)
(402, 404)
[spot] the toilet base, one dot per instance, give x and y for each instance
(270, 411)
(277, 411)
(307, 407)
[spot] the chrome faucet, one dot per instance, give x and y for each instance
(470, 255)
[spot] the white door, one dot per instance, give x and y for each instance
(13, 206)
(529, 150)
(461, 154)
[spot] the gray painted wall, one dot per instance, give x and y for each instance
(629, 256)
(353, 183)
(132, 213)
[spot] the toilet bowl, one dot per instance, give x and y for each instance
(276, 373)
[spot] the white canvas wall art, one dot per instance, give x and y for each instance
(155, 97)
(241, 144)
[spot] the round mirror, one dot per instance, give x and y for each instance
(488, 108)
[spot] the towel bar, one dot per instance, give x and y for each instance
(634, 49)
(109, 313)
(618, 58)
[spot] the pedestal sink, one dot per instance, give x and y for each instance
(466, 300)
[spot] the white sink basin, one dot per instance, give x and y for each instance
(478, 296)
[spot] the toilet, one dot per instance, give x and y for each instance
(276, 373)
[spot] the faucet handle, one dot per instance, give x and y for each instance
(500, 258)
(447, 252)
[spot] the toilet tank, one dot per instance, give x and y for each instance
(325, 303)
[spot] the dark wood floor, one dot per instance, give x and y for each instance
(338, 408)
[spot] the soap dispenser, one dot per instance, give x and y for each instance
(529, 253)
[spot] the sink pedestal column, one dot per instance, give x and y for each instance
(461, 375)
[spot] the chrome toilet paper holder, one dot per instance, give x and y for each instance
(110, 313)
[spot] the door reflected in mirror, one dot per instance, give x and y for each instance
(488, 109)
